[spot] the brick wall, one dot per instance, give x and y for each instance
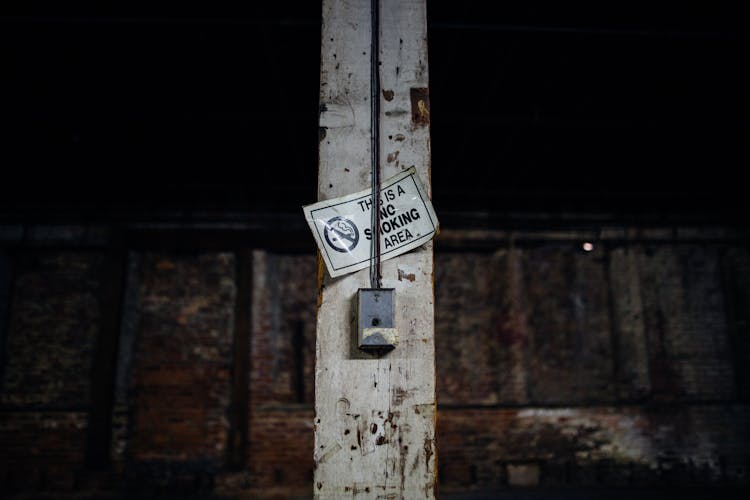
(601, 446)
(45, 391)
(623, 366)
(171, 415)
(522, 326)
(614, 366)
(282, 377)
(178, 386)
(55, 319)
(283, 330)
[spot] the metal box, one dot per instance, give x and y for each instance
(375, 319)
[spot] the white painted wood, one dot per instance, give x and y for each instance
(375, 416)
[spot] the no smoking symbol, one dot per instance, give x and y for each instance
(341, 234)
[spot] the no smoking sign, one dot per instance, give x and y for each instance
(341, 234)
(341, 226)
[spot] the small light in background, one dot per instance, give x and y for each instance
(588, 246)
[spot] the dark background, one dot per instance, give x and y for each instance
(119, 108)
(157, 278)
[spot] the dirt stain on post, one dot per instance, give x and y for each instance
(427, 449)
(398, 396)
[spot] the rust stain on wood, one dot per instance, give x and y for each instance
(420, 106)
(404, 276)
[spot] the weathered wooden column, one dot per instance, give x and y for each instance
(375, 414)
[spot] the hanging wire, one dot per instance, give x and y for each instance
(376, 275)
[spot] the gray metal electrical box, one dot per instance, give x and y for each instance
(375, 319)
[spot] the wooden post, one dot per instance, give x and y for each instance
(375, 415)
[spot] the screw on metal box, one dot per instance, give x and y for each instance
(375, 319)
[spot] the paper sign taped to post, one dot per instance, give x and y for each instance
(341, 226)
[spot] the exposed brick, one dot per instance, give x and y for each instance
(478, 329)
(46, 378)
(568, 314)
(284, 292)
(523, 474)
(281, 443)
(53, 328)
(518, 326)
(735, 270)
(41, 450)
(686, 323)
(181, 362)
(602, 446)
(630, 356)
(280, 434)
(625, 366)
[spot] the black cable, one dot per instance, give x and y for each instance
(375, 267)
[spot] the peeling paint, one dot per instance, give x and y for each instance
(333, 450)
